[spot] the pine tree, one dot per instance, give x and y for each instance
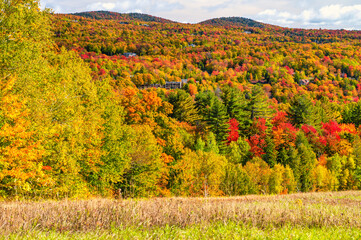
(352, 113)
(184, 109)
(293, 160)
(307, 162)
(203, 101)
(270, 155)
(327, 110)
(235, 103)
(258, 106)
(302, 112)
(217, 121)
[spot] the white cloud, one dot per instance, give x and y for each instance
(331, 16)
(269, 12)
(124, 6)
(100, 5)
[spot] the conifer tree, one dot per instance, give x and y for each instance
(184, 109)
(307, 162)
(293, 160)
(217, 121)
(235, 103)
(258, 106)
(203, 101)
(352, 113)
(270, 156)
(301, 111)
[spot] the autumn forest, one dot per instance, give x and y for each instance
(131, 105)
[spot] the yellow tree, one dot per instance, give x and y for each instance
(21, 169)
(200, 173)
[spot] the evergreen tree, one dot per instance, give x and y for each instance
(217, 121)
(327, 111)
(352, 113)
(184, 109)
(293, 161)
(235, 103)
(270, 156)
(203, 101)
(302, 111)
(307, 162)
(283, 157)
(258, 106)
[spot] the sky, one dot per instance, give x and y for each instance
(330, 14)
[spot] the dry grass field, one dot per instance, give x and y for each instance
(296, 212)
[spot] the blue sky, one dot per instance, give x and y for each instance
(331, 14)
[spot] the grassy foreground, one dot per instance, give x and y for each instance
(229, 230)
(297, 216)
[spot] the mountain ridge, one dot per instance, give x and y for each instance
(222, 21)
(108, 15)
(240, 21)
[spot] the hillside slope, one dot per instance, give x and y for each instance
(122, 16)
(235, 21)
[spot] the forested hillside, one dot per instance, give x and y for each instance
(122, 16)
(234, 21)
(87, 107)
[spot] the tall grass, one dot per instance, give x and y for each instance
(229, 230)
(309, 210)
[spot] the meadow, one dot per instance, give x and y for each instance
(330, 215)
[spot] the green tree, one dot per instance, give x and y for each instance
(203, 101)
(258, 106)
(116, 143)
(352, 113)
(327, 110)
(334, 164)
(238, 152)
(24, 37)
(357, 158)
(200, 174)
(141, 178)
(307, 162)
(199, 145)
(236, 181)
(302, 111)
(184, 109)
(294, 162)
(211, 144)
(270, 156)
(235, 103)
(217, 121)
